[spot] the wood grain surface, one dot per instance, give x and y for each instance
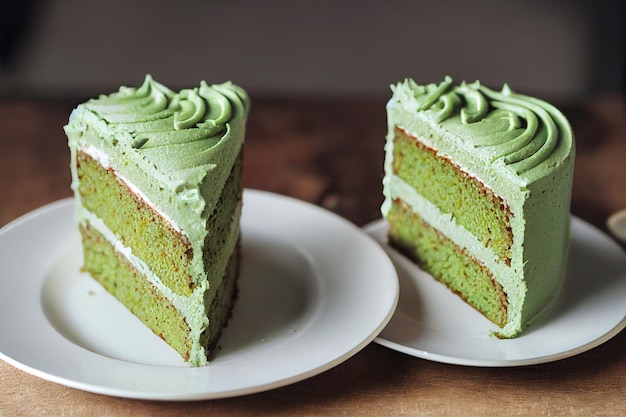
(330, 153)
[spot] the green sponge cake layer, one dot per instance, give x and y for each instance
(475, 207)
(453, 266)
(485, 177)
(135, 222)
(131, 287)
(119, 277)
(157, 178)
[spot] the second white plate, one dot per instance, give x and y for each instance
(313, 291)
(432, 323)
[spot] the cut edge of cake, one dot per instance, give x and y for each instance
(449, 149)
(157, 178)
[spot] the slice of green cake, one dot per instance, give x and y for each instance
(157, 178)
(477, 191)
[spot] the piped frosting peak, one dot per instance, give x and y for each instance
(154, 108)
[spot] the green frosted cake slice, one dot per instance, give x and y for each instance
(157, 178)
(477, 191)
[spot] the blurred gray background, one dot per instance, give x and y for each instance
(557, 49)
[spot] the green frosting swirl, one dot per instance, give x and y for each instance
(153, 116)
(522, 131)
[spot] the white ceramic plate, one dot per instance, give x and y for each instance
(431, 322)
(314, 290)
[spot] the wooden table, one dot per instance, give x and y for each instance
(329, 152)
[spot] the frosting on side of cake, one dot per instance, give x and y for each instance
(522, 150)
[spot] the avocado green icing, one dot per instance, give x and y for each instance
(519, 147)
(177, 150)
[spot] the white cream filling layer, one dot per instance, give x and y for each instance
(97, 154)
(103, 159)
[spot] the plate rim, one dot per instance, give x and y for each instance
(334, 221)
(372, 229)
